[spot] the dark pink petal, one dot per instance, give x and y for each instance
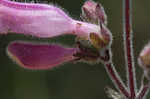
(39, 56)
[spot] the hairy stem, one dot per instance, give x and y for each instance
(116, 79)
(144, 90)
(127, 28)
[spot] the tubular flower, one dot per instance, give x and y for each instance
(47, 21)
(40, 20)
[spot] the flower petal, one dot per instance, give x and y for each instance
(39, 20)
(39, 56)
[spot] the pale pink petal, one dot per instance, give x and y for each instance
(39, 56)
(83, 29)
(40, 20)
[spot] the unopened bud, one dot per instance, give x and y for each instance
(93, 12)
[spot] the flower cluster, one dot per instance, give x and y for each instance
(92, 42)
(47, 21)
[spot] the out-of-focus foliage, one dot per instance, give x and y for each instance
(73, 81)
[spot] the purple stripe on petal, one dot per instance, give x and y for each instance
(39, 56)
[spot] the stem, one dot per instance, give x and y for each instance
(143, 91)
(116, 79)
(127, 22)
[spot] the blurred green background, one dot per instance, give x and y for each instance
(80, 80)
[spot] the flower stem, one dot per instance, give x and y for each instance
(143, 91)
(116, 79)
(127, 28)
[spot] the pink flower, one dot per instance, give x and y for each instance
(46, 21)
(40, 20)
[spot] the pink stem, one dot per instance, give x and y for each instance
(128, 47)
(116, 79)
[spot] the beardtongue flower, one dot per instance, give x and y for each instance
(47, 21)
(40, 20)
(39, 56)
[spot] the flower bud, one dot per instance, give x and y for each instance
(144, 60)
(93, 12)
